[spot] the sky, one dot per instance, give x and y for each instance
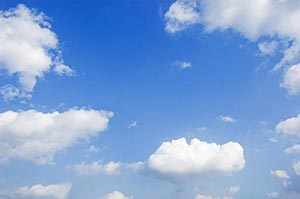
(144, 99)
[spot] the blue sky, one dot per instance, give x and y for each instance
(126, 99)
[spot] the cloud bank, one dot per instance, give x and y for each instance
(38, 136)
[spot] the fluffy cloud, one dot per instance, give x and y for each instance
(115, 195)
(39, 136)
(291, 79)
(181, 15)
(275, 23)
(296, 167)
(252, 18)
(29, 48)
(293, 149)
(227, 119)
(290, 126)
(52, 191)
(210, 197)
(196, 158)
(281, 174)
(96, 168)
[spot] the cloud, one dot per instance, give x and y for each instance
(274, 24)
(296, 167)
(272, 195)
(293, 149)
(133, 124)
(234, 189)
(93, 149)
(251, 18)
(273, 140)
(38, 136)
(289, 126)
(281, 174)
(268, 47)
(115, 195)
(96, 167)
(181, 15)
(52, 191)
(196, 158)
(227, 119)
(10, 92)
(183, 64)
(29, 48)
(210, 197)
(291, 79)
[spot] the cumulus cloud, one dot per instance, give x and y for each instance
(181, 15)
(95, 167)
(296, 167)
(196, 158)
(52, 191)
(274, 24)
(289, 126)
(227, 119)
(38, 136)
(293, 149)
(29, 47)
(115, 195)
(210, 197)
(291, 79)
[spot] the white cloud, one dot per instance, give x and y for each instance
(293, 149)
(62, 69)
(133, 124)
(296, 167)
(227, 119)
(234, 189)
(39, 136)
(96, 167)
(115, 195)
(290, 126)
(210, 197)
(291, 79)
(252, 18)
(268, 47)
(52, 191)
(272, 195)
(183, 64)
(281, 174)
(271, 22)
(29, 48)
(180, 15)
(10, 92)
(93, 149)
(274, 140)
(196, 158)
